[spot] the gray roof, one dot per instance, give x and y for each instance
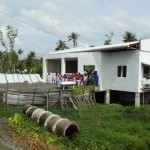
(113, 47)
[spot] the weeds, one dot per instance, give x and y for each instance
(102, 128)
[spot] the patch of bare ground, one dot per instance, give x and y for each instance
(10, 139)
(28, 142)
(6, 141)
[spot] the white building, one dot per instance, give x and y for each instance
(120, 67)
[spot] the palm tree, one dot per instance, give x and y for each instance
(61, 45)
(129, 37)
(73, 37)
(32, 54)
(20, 52)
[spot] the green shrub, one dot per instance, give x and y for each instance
(90, 81)
(102, 127)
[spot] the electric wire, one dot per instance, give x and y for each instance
(38, 28)
(29, 24)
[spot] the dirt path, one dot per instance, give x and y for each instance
(6, 142)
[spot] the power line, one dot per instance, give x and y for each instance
(25, 22)
(29, 24)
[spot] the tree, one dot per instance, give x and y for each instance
(30, 61)
(9, 48)
(14, 60)
(61, 45)
(20, 52)
(109, 39)
(73, 37)
(129, 37)
(1, 60)
(32, 55)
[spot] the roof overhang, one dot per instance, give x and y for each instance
(105, 48)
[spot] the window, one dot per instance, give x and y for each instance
(122, 71)
(89, 68)
(146, 71)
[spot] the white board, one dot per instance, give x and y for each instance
(21, 78)
(10, 78)
(33, 78)
(16, 78)
(2, 78)
(39, 78)
(27, 78)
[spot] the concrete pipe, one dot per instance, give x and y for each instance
(51, 121)
(66, 128)
(30, 110)
(44, 116)
(25, 108)
(56, 124)
(37, 113)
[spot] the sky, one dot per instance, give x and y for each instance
(41, 23)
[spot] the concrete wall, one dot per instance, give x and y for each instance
(83, 58)
(110, 62)
(145, 44)
(144, 59)
(106, 66)
(89, 58)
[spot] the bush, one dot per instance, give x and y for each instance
(90, 81)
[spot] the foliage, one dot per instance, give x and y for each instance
(10, 58)
(16, 120)
(110, 127)
(102, 127)
(20, 52)
(73, 37)
(90, 81)
(61, 45)
(79, 90)
(129, 37)
(89, 68)
(11, 35)
(109, 39)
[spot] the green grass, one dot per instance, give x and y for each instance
(4, 147)
(111, 127)
(103, 127)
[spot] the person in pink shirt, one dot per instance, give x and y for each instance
(57, 77)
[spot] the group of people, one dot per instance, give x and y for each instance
(80, 79)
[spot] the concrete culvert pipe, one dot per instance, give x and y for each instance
(30, 110)
(52, 120)
(37, 113)
(44, 116)
(25, 108)
(66, 128)
(56, 124)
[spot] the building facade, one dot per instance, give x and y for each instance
(120, 67)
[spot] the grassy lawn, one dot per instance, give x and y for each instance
(102, 127)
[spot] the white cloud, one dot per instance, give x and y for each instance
(92, 19)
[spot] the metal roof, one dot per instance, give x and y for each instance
(114, 47)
